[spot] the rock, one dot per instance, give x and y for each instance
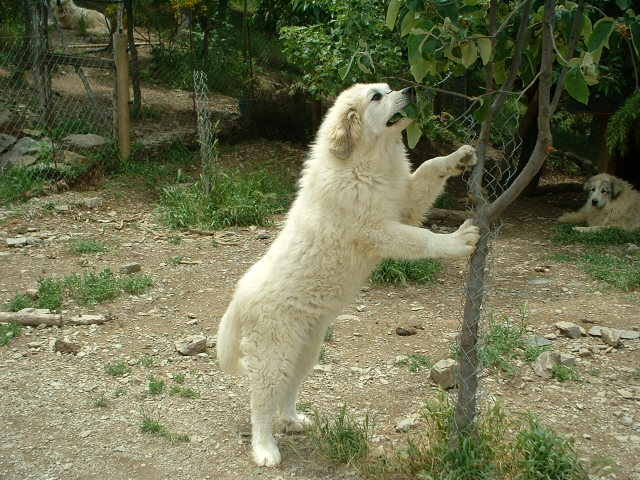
(569, 329)
(191, 345)
(25, 147)
(610, 337)
(347, 318)
(263, 236)
(444, 373)
(543, 365)
(16, 242)
(5, 118)
(567, 360)
(66, 347)
(585, 352)
(85, 141)
(32, 133)
(6, 142)
(85, 319)
(31, 293)
(130, 268)
(536, 341)
(403, 332)
(93, 202)
(624, 334)
(408, 423)
(540, 281)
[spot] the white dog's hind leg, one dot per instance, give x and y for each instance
(263, 408)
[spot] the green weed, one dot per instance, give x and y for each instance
(136, 284)
(156, 387)
(21, 183)
(563, 373)
(403, 272)
(343, 438)
(564, 234)
(621, 272)
(50, 294)
(179, 378)
(416, 361)
(533, 352)
(183, 391)
(9, 331)
(500, 343)
(87, 246)
(100, 402)
(92, 288)
(146, 361)
(117, 369)
(154, 427)
(329, 332)
(17, 303)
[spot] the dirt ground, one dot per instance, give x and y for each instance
(52, 428)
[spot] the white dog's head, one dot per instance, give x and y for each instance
(365, 112)
(602, 188)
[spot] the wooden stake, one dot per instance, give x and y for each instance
(122, 93)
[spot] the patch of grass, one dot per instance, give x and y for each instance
(564, 234)
(238, 198)
(154, 427)
(500, 343)
(50, 295)
(403, 272)
(117, 368)
(416, 361)
(156, 387)
(303, 406)
(179, 378)
(87, 246)
(533, 352)
(621, 272)
(445, 201)
(561, 257)
(20, 184)
(342, 438)
(503, 446)
(322, 357)
(100, 402)
(92, 288)
(328, 334)
(183, 391)
(146, 361)
(9, 331)
(175, 239)
(136, 284)
(562, 373)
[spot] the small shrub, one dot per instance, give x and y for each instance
(50, 294)
(117, 369)
(342, 439)
(91, 288)
(100, 402)
(328, 334)
(156, 386)
(183, 391)
(146, 361)
(17, 303)
(87, 246)
(403, 272)
(563, 373)
(416, 361)
(21, 183)
(179, 378)
(9, 331)
(154, 427)
(136, 284)
(533, 352)
(499, 344)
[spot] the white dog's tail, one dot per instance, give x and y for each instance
(228, 344)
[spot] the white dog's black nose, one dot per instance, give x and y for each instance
(410, 92)
(594, 202)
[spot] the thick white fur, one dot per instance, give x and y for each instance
(612, 202)
(69, 16)
(358, 203)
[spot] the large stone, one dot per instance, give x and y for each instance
(191, 345)
(569, 329)
(624, 334)
(5, 118)
(610, 336)
(536, 341)
(543, 365)
(6, 142)
(444, 373)
(130, 268)
(84, 141)
(25, 147)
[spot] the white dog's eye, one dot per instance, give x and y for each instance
(376, 97)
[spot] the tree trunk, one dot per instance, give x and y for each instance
(528, 132)
(134, 66)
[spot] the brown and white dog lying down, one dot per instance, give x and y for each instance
(612, 202)
(70, 17)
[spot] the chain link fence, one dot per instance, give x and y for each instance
(56, 103)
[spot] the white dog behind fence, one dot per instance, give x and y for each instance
(357, 204)
(72, 17)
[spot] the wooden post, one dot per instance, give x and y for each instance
(122, 93)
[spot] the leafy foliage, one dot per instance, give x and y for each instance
(403, 272)
(624, 126)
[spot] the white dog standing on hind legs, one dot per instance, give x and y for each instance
(358, 203)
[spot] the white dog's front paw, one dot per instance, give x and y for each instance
(464, 157)
(467, 237)
(266, 455)
(297, 424)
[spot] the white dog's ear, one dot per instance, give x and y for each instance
(587, 186)
(617, 186)
(345, 134)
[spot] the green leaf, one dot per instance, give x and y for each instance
(469, 54)
(392, 13)
(414, 132)
(635, 37)
(601, 33)
(499, 73)
(484, 46)
(481, 113)
(623, 4)
(414, 44)
(576, 85)
(408, 22)
(419, 69)
(447, 8)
